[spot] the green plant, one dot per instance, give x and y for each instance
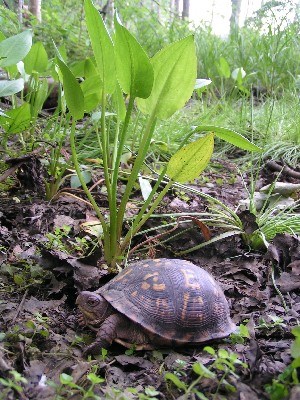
(68, 387)
(23, 64)
(12, 51)
(223, 366)
(275, 322)
(39, 325)
(60, 240)
(24, 275)
(14, 383)
(160, 89)
(265, 224)
(240, 334)
(280, 387)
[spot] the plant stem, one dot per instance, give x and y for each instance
(141, 218)
(145, 142)
(88, 193)
(114, 232)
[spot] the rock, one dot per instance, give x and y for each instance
(286, 189)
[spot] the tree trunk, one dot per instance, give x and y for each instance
(35, 7)
(235, 15)
(176, 7)
(186, 9)
(18, 6)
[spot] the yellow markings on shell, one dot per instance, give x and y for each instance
(145, 286)
(123, 275)
(154, 275)
(134, 294)
(159, 287)
(189, 277)
(186, 297)
(200, 300)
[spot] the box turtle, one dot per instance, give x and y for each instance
(156, 303)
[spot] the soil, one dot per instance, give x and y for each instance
(42, 272)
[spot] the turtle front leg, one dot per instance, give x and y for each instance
(106, 334)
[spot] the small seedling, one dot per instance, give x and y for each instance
(131, 351)
(39, 325)
(68, 387)
(13, 383)
(240, 334)
(223, 366)
(276, 322)
(280, 387)
(61, 240)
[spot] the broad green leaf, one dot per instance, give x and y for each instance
(296, 331)
(200, 395)
(84, 68)
(37, 59)
(188, 162)
(40, 96)
(175, 72)
(19, 119)
(15, 48)
(91, 89)
(90, 69)
(8, 88)
(102, 46)
(65, 379)
(73, 93)
(295, 348)
(223, 68)
(200, 369)
(119, 103)
(177, 382)
(222, 353)
(75, 182)
(134, 70)
(209, 350)
(77, 69)
(229, 136)
(92, 85)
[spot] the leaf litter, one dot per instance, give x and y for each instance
(41, 275)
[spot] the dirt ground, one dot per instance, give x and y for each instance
(41, 274)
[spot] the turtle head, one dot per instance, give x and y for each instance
(94, 308)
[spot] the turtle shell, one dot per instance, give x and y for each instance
(173, 299)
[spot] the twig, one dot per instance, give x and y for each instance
(20, 307)
(278, 291)
(274, 166)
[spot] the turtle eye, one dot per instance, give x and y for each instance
(92, 301)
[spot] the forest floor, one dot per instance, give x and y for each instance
(42, 270)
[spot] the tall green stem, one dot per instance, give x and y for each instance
(114, 238)
(142, 217)
(88, 193)
(145, 142)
